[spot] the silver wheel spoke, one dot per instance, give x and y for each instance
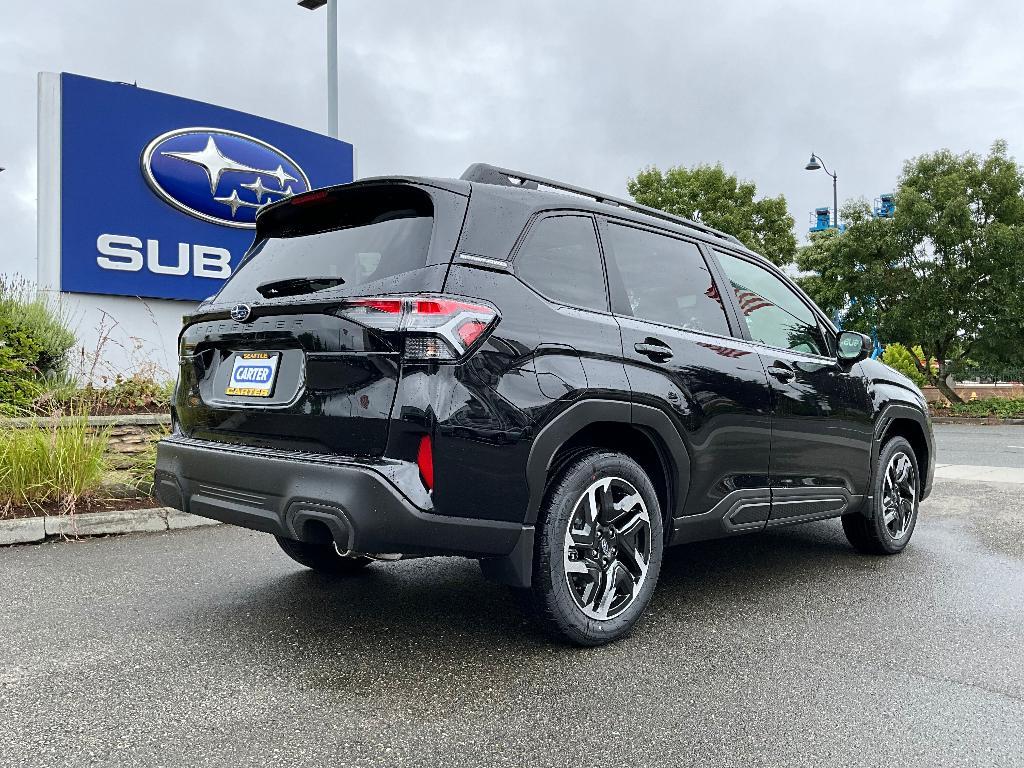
(593, 506)
(608, 594)
(632, 523)
(582, 538)
(906, 510)
(576, 566)
(634, 562)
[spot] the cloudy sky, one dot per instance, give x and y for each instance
(584, 90)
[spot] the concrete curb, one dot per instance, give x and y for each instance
(22, 531)
(126, 420)
(29, 530)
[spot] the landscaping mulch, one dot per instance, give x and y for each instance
(105, 504)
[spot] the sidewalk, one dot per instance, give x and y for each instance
(980, 474)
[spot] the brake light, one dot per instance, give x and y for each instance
(436, 328)
(425, 461)
(310, 197)
(388, 307)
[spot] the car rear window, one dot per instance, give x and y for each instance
(340, 242)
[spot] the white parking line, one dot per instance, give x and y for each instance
(981, 474)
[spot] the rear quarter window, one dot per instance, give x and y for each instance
(560, 260)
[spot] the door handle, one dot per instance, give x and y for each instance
(783, 373)
(654, 349)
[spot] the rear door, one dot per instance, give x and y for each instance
(821, 411)
(271, 361)
(684, 358)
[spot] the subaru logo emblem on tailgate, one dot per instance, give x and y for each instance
(240, 312)
(220, 176)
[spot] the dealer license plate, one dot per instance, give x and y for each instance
(253, 374)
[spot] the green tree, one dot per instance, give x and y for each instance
(946, 273)
(899, 358)
(708, 194)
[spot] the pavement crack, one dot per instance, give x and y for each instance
(968, 684)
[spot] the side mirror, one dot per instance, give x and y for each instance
(853, 347)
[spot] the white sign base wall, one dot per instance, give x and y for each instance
(124, 335)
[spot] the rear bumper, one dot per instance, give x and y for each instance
(367, 507)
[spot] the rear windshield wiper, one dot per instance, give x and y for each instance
(296, 286)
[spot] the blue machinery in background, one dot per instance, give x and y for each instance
(884, 207)
(821, 219)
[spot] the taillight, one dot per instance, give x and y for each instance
(437, 328)
(425, 462)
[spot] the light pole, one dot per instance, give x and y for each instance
(332, 60)
(814, 164)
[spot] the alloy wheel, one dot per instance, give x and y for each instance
(899, 494)
(607, 548)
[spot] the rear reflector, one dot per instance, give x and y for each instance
(436, 328)
(470, 332)
(425, 461)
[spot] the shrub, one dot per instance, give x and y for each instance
(138, 391)
(901, 359)
(58, 464)
(34, 344)
(1003, 408)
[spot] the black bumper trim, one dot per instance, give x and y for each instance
(280, 493)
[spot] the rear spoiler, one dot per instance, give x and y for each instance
(346, 205)
(273, 220)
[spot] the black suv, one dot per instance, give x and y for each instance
(547, 379)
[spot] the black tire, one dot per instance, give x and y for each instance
(559, 599)
(322, 557)
(875, 535)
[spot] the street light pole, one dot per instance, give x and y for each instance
(814, 164)
(332, 68)
(332, 60)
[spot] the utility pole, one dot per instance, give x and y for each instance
(332, 60)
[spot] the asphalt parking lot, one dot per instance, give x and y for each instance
(209, 647)
(989, 445)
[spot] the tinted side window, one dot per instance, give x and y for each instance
(561, 261)
(666, 280)
(774, 314)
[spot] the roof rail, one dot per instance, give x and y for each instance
(491, 174)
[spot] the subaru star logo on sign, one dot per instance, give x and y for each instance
(223, 177)
(158, 195)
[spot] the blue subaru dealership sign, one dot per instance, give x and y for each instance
(159, 194)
